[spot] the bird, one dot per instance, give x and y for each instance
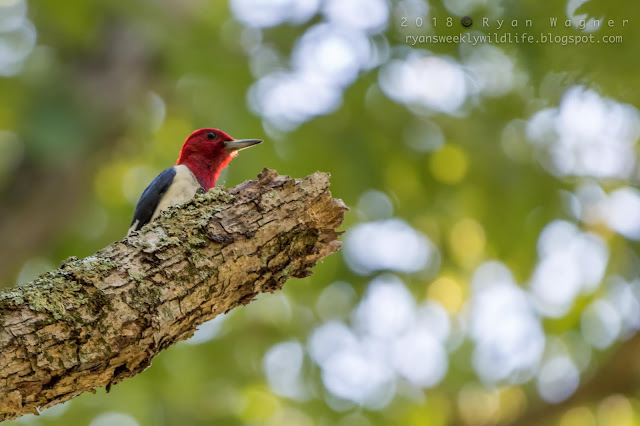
(204, 154)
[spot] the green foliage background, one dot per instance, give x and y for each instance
(111, 90)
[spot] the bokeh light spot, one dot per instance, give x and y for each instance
(601, 324)
(336, 301)
(113, 418)
(571, 263)
(420, 358)
(33, 268)
(578, 416)
(282, 365)
(207, 331)
(386, 245)
(616, 410)
(449, 164)
(269, 13)
(508, 335)
(375, 205)
(558, 379)
(431, 82)
(467, 242)
(423, 136)
(478, 405)
(366, 15)
(513, 402)
(448, 291)
(260, 404)
(622, 212)
(587, 135)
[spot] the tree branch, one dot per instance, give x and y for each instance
(99, 320)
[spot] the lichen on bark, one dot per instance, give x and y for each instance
(96, 321)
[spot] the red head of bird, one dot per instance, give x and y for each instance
(207, 151)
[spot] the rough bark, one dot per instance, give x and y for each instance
(99, 320)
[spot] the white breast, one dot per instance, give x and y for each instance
(182, 189)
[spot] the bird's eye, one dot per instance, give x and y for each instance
(211, 135)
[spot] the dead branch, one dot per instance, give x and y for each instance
(99, 320)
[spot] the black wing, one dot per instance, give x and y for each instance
(151, 197)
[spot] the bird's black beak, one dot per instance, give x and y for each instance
(240, 144)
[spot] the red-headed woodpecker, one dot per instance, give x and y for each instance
(203, 156)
